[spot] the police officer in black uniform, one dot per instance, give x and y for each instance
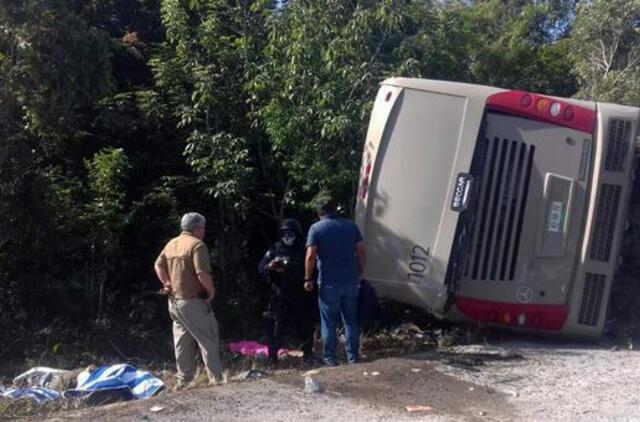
(283, 269)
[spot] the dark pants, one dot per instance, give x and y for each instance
(301, 312)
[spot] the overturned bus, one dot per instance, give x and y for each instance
(506, 208)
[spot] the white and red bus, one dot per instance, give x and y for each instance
(502, 207)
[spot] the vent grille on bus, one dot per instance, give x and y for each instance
(605, 222)
(617, 144)
(591, 299)
(499, 214)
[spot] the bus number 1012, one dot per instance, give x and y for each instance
(419, 261)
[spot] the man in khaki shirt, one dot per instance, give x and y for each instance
(184, 269)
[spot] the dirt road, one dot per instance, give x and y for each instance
(505, 381)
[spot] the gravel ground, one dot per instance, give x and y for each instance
(374, 391)
(559, 382)
(503, 381)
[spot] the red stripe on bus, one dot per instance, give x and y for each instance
(538, 107)
(539, 317)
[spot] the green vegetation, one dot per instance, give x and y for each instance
(118, 116)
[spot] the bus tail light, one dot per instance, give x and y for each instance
(541, 108)
(569, 113)
(364, 183)
(522, 319)
(542, 104)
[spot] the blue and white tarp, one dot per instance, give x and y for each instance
(42, 376)
(123, 381)
(105, 384)
(39, 394)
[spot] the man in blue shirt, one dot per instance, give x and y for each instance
(337, 245)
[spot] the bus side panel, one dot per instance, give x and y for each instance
(610, 193)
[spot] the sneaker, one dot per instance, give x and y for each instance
(330, 363)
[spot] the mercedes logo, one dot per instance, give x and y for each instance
(524, 294)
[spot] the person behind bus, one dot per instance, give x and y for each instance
(283, 267)
(337, 245)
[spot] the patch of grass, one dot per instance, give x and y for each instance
(27, 407)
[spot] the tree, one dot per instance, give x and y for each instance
(314, 89)
(519, 44)
(605, 49)
(200, 72)
(55, 72)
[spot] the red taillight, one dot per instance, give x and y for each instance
(388, 96)
(537, 107)
(364, 183)
(542, 104)
(569, 113)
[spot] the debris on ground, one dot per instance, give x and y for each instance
(464, 361)
(156, 409)
(414, 409)
(404, 338)
(311, 385)
(446, 340)
(508, 355)
(252, 348)
(470, 359)
(250, 374)
(407, 328)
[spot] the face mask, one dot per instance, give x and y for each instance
(288, 239)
